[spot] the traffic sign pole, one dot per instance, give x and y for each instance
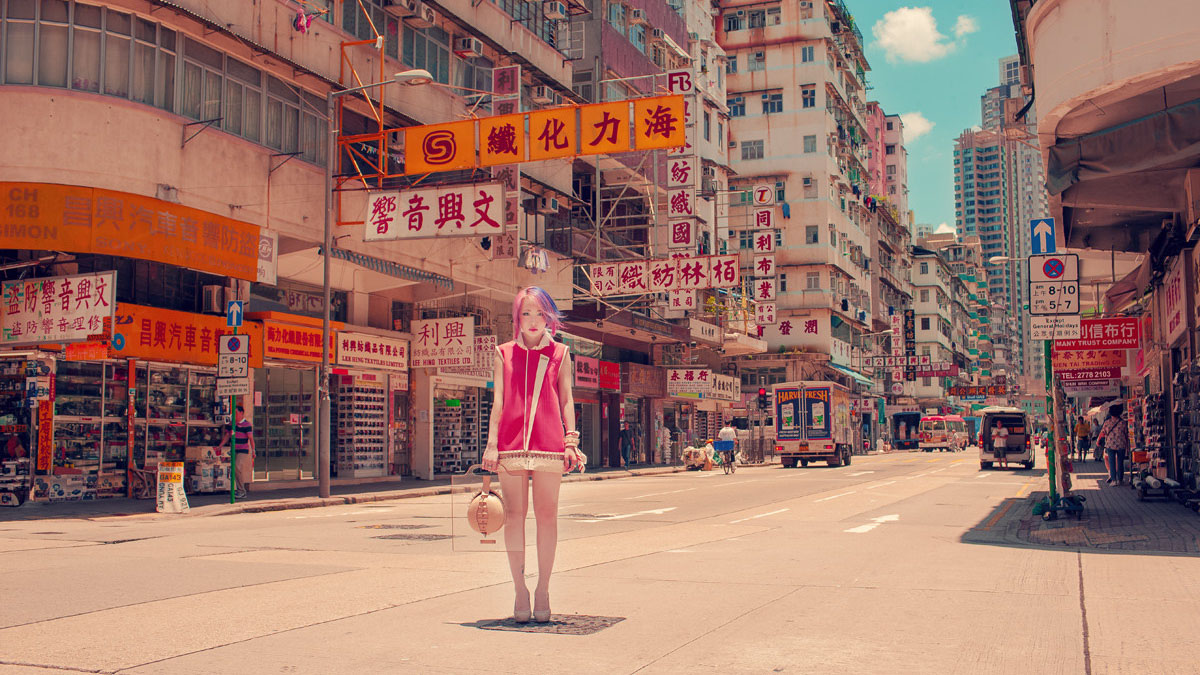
(233, 442)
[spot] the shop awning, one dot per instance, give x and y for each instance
(390, 268)
(865, 381)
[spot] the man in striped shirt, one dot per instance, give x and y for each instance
(244, 462)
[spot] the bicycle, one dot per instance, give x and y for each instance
(728, 463)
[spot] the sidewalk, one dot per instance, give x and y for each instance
(280, 500)
(1113, 520)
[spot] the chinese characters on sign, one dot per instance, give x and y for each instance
(688, 381)
(978, 392)
(681, 301)
(453, 211)
(683, 234)
(1088, 360)
(1103, 334)
(764, 314)
(443, 342)
(370, 351)
(484, 366)
(1174, 306)
(56, 309)
(166, 335)
(660, 276)
(587, 372)
(292, 342)
(725, 387)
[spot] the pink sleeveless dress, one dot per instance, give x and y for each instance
(536, 447)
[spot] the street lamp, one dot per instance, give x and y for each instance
(408, 77)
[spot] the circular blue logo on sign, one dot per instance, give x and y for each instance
(234, 343)
(118, 342)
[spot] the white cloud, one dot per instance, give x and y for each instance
(915, 125)
(943, 228)
(911, 34)
(965, 26)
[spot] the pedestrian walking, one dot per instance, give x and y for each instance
(626, 446)
(244, 462)
(1115, 434)
(532, 437)
(1083, 437)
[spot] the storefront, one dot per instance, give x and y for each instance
(589, 414)
(369, 407)
(640, 385)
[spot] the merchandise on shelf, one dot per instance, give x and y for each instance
(360, 413)
(1186, 390)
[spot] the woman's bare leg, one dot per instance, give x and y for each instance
(514, 488)
(546, 486)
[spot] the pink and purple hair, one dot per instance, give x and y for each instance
(545, 304)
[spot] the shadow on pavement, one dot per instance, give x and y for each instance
(1113, 521)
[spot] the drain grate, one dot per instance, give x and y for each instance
(415, 537)
(393, 527)
(560, 624)
(587, 515)
(48, 533)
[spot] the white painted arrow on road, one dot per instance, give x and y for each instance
(877, 522)
(654, 512)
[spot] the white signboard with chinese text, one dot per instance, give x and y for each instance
(681, 172)
(764, 289)
(56, 309)
(485, 359)
(1174, 305)
(764, 242)
(681, 301)
(371, 351)
(443, 342)
(1055, 327)
(764, 314)
(604, 278)
(681, 203)
(683, 234)
(631, 277)
(725, 387)
(688, 381)
(764, 218)
(764, 265)
(450, 211)
(724, 271)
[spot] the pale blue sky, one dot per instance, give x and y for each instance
(926, 58)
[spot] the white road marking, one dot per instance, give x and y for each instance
(825, 499)
(860, 473)
(333, 515)
(872, 487)
(941, 469)
(761, 515)
(861, 529)
(657, 512)
(657, 494)
(982, 475)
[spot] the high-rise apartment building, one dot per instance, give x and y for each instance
(998, 189)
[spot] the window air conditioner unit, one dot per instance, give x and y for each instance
(638, 16)
(468, 48)
(399, 8)
(548, 205)
(214, 299)
(805, 4)
(554, 10)
(542, 94)
(422, 16)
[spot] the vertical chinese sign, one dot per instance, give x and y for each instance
(683, 165)
(505, 142)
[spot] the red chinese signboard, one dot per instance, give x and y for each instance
(1096, 334)
(610, 375)
(153, 334)
(292, 342)
(1090, 374)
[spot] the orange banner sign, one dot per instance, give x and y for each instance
(604, 128)
(658, 122)
(153, 334)
(552, 133)
(501, 140)
(45, 441)
(439, 147)
(294, 342)
(46, 217)
(1088, 360)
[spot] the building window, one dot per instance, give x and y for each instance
(813, 281)
(772, 103)
(808, 96)
(924, 268)
(924, 323)
(810, 143)
(752, 150)
(926, 381)
(783, 283)
(924, 295)
(780, 191)
(428, 48)
(616, 16)
(734, 22)
(737, 106)
(812, 234)
(707, 126)
(758, 18)
(889, 125)
(891, 170)
(758, 61)
(731, 65)
(890, 150)
(806, 54)
(637, 35)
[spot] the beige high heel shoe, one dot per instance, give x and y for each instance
(521, 615)
(542, 615)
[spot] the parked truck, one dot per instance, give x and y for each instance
(812, 422)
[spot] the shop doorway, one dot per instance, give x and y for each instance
(284, 423)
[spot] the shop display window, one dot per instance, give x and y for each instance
(91, 431)
(360, 422)
(284, 423)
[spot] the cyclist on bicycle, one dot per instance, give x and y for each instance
(726, 438)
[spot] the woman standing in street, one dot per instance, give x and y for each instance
(1116, 441)
(532, 435)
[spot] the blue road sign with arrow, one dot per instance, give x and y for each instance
(1041, 235)
(233, 315)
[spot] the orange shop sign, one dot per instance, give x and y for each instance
(153, 334)
(294, 342)
(76, 219)
(1088, 360)
(623, 126)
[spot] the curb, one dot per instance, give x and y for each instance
(412, 493)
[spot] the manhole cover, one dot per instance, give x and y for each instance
(560, 624)
(393, 527)
(414, 537)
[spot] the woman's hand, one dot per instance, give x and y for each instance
(491, 457)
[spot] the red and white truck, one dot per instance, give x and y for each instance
(812, 423)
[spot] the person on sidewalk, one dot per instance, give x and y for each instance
(531, 435)
(1116, 441)
(626, 446)
(1083, 437)
(244, 462)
